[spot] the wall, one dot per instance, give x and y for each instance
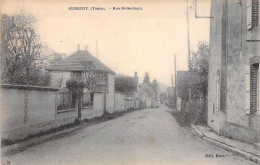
(230, 52)
(216, 115)
(27, 110)
(24, 106)
(239, 125)
(59, 79)
(110, 94)
(99, 101)
(119, 102)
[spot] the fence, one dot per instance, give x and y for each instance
(66, 100)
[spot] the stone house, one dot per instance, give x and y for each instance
(73, 67)
(234, 75)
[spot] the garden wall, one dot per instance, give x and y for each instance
(28, 110)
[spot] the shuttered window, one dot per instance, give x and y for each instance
(258, 90)
(249, 14)
(252, 14)
(247, 89)
(252, 89)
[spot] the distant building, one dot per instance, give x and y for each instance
(72, 65)
(234, 75)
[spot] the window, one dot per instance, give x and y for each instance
(100, 78)
(252, 89)
(258, 88)
(252, 14)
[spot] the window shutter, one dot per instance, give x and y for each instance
(258, 90)
(249, 14)
(247, 89)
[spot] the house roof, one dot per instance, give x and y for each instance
(74, 63)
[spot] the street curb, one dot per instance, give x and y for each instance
(197, 131)
(251, 156)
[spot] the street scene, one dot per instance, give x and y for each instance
(150, 136)
(171, 82)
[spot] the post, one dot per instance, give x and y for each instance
(80, 92)
(105, 106)
(175, 79)
(79, 104)
(188, 33)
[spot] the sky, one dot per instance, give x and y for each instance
(127, 41)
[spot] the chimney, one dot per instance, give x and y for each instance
(135, 74)
(78, 47)
(86, 48)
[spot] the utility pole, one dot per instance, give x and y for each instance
(188, 33)
(175, 81)
(172, 94)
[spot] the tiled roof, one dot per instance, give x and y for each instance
(74, 63)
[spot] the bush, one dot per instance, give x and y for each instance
(75, 84)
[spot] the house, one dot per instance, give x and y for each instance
(234, 75)
(73, 67)
(62, 71)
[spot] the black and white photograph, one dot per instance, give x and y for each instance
(130, 82)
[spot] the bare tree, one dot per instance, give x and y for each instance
(89, 74)
(20, 50)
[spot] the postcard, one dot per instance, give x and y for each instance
(130, 82)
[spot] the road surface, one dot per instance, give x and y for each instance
(150, 137)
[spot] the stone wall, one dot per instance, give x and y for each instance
(119, 102)
(24, 106)
(27, 110)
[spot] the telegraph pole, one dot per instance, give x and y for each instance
(188, 33)
(175, 81)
